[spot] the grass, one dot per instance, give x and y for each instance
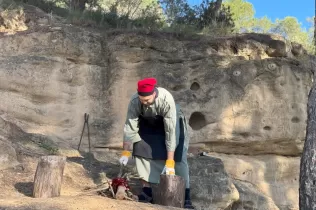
(108, 20)
(12, 17)
(46, 143)
(51, 149)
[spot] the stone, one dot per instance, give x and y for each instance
(211, 186)
(277, 48)
(251, 198)
(298, 49)
(275, 179)
(8, 157)
(238, 99)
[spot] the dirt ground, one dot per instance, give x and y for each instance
(81, 175)
(74, 203)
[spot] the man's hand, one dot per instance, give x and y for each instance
(124, 157)
(169, 167)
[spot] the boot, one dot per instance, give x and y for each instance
(146, 195)
(187, 200)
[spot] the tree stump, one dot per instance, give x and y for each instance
(48, 176)
(170, 191)
(121, 193)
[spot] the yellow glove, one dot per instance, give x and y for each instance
(124, 157)
(169, 167)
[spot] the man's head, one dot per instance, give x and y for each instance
(146, 91)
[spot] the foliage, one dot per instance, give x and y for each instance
(6, 4)
(211, 17)
(208, 15)
(262, 25)
(48, 6)
(12, 17)
(243, 14)
(291, 29)
(175, 15)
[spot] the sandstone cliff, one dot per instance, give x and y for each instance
(233, 103)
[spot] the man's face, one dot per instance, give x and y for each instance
(147, 100)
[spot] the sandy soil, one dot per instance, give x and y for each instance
(81, 175)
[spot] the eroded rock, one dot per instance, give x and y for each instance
(233, 102)
(251, 198)
(8, 158)
(211, 186)
(273, 178)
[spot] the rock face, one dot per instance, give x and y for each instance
(14, 141)
(275, 178)
(211, 186)
(8, 156)
(48, 82)
(251, 198)
(242, 95)
(233, 101)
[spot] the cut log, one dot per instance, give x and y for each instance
(48, 176)
(170, 191)
(121, 193)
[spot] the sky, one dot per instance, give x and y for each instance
(273, 9)
(301, 9)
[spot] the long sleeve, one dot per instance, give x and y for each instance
(170, 116)
(131, 124)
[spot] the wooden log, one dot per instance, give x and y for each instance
(170, 191)
(48, 176)
(121, 193)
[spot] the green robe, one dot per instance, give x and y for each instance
(164, 105)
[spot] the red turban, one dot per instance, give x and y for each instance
(146, 86)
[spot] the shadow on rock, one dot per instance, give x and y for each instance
(25, 188)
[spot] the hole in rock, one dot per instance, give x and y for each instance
(194, 96)
(177, 87)
(248, 203)
(195, 86)
(245, 134)
(197, 121)
(295, 119)
(272, 66)
(234, 49)
(267, 128)
(236, 73)
(72, 60)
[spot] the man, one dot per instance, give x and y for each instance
(156, 131)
